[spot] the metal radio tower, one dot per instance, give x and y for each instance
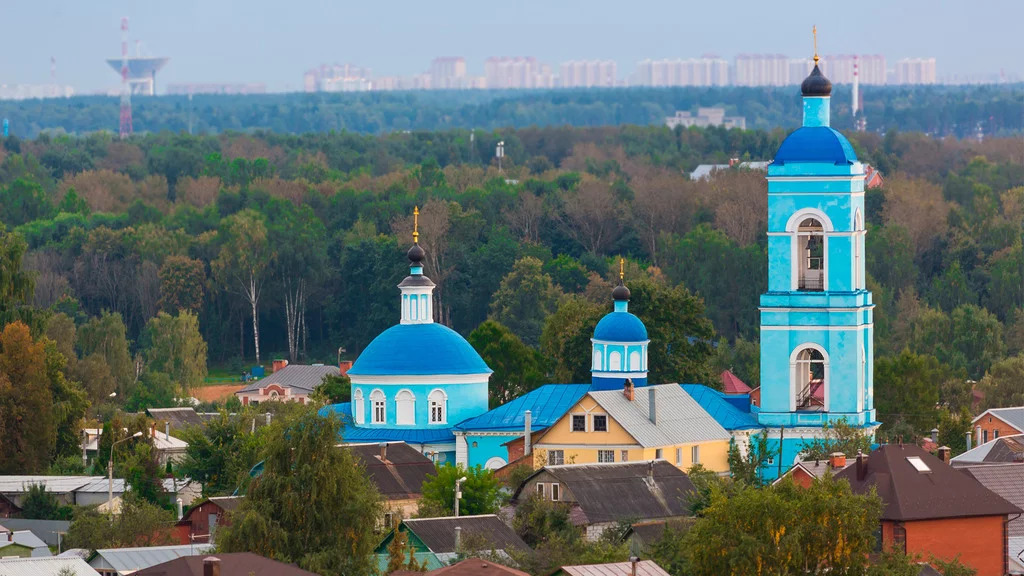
(126, 89)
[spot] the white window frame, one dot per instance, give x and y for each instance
(438, 401)
(679, 456)
(542, 490)
(603, 456)
(358, 406)
(572, 421)
(624, 456)
(794, 367)
(405, 408)
(555, 492)
(615, 361)
(793, 228)
(378, 400)
(593, 422)
(695, 454)
(658, 453)
(633, 362)
(552, 461)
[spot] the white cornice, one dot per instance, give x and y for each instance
(425, 379)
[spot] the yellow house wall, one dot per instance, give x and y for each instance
(582, 447)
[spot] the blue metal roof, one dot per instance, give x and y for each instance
(620, 327)
(353, 433)
(418, 350)
(546, 405)
(722, 407)
(816, 144)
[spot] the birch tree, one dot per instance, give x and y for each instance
(243, 261)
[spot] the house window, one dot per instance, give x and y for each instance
(624, 456)
(379, 407)
(540, 489)
(605, 456)
(657, 453)
(600, 423)
(695, 455)
(995, 434)
(984, 436)
(438, 407)
(899, 537)
(405, 408)
(556, 457)
(358, 407)
(810, 375)
(579, 422)
(679, 456)
(554, 492)
(389, 520)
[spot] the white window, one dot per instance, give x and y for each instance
(423, 307)
(358, 406)
(634, 361)
(405, 408)
(438, 407)
(377, 400)
(554, 492)
(615, 362)
(679, 456)
(579, 422)
(695, 455)
(556, 457)
(600, 422)
(540, 489)
(625, 456)
(657, 453)
(597, 358)
(605, 456)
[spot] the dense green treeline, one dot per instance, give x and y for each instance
(938, 110)
(137, 257)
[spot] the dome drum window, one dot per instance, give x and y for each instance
(438, 401)
(379, 404)
(405, 408)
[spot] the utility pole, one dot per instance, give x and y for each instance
(499, 153)
(458, 494)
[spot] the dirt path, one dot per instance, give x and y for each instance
(217, 393)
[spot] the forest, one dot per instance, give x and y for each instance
(961, 111)
(134, 271)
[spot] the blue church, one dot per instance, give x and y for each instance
(817, 355)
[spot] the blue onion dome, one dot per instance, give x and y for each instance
(620, 327)
(418, 350)
(816, 84)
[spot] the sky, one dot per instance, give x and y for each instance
(274, 41)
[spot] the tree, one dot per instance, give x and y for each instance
(590, 215)
(1003, 385)
(39, 504)
(746, 466)
(24, 201)
(907, 390)
(242, 263)
(106, 335)
(838, 436)
(681, 335)
(26, 403)
(525, 299)
(565, 341)
(518, 368)
(181, 284)
(220, 455)
(140, 523)
(969, 339)
(16, 285)
(174, 346)
(70, 402)
(313, 505)
(480, 492)
(333, 390)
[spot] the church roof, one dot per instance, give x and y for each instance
(353, 434)
(418, 350)
(620, 327)
(546, 405)
(816, 144)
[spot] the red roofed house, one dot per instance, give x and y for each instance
(292, 383)
(931, 509)
(805, 472)
(996, 422)
(733, 385)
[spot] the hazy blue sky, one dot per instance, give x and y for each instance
(275, 41)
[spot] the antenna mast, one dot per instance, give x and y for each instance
(126, 90)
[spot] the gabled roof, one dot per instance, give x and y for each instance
(131, 559)
(999, 450)
(44, 566)
(233, 564)
(176, 417)
(815, 468)
(939, 491)
(46, 530)
(226, 503)
(546, 405)
(733, 385)
(477, 567)
(720, 408)
(643, 568)
(1006, 480)
(438, 534)
(625, 490)
(401, 474)
(302, 378)
(1013, 416)
(680, 419)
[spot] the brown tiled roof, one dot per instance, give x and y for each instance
(909, 494)
(477, 567)
(234, 564)
(438, 534)
(403, 472)
(1006, 480)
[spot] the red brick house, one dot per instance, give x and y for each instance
(287, 383)
(931, 509)
(998, 422)
(199, 524)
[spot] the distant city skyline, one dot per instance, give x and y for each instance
(266, 43)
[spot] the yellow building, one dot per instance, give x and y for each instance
(634, 424)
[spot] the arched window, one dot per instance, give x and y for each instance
(423, 306)
(273, 394)
(438, 407)
(810, 373)
(634, 361)
(615, 362)
(358, 406)
(494, 463)
(377, 401)
(597, 358)
(405, 408)
(811, 253)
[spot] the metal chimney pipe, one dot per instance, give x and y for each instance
(178, 504)
(528, 424)
(458, 539)
(652, 395)
(968, 440)
(167, 430)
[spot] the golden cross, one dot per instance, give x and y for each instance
(814, 31)
(416, 225)
(622, 268)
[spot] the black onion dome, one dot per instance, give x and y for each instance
(416, 254)
(620, 292)
(816, 84)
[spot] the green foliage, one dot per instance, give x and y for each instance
(565, 341)
(182, 283)
(220, 455)
(480, 492)
(39, 504)
(517, 367)
(746, 466)
(174, 346)
(16, 285)
(26, 403)
(139, 523)
(525, 299)
(906, 391)
(333, 390)
(106, 335)
(838, 437)
(312, 505)
(1003, 385)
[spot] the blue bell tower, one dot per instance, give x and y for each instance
(816, 318)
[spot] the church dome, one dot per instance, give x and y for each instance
(620, 327)
(816, 84)
(816, 144)
(418, 350)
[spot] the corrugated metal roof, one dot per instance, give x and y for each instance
(45, 567)
(298, 376)
(643, 568)
(546, 405)
(718, 407)
(680, 419)
(132, 559)
(1012, 416)
(438, 534)
(55, 484)
(176, 417)
(45, 529)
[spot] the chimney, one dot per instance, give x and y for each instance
(650, 473)
(968, 440)
(977, 436)
(383, 451)
(344, 366)
(862, 466)
(627, 389)
(528, 424)
(944, 454)
(837, 460)
(652, 397)
(278, 364)
(167, 430)
(178, 504)
(935, 435)
(458, 539)
(211, 566)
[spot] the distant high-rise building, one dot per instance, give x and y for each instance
(915, 71)
(516, 73)
(588, 74)
(762, 70)
(706, 117)
(337, 78)
(31, 91)
(707, 71)
(839, 68)
(448, 73)
(216, 88)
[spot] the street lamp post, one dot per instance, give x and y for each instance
(458, 494)
(110, 474)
